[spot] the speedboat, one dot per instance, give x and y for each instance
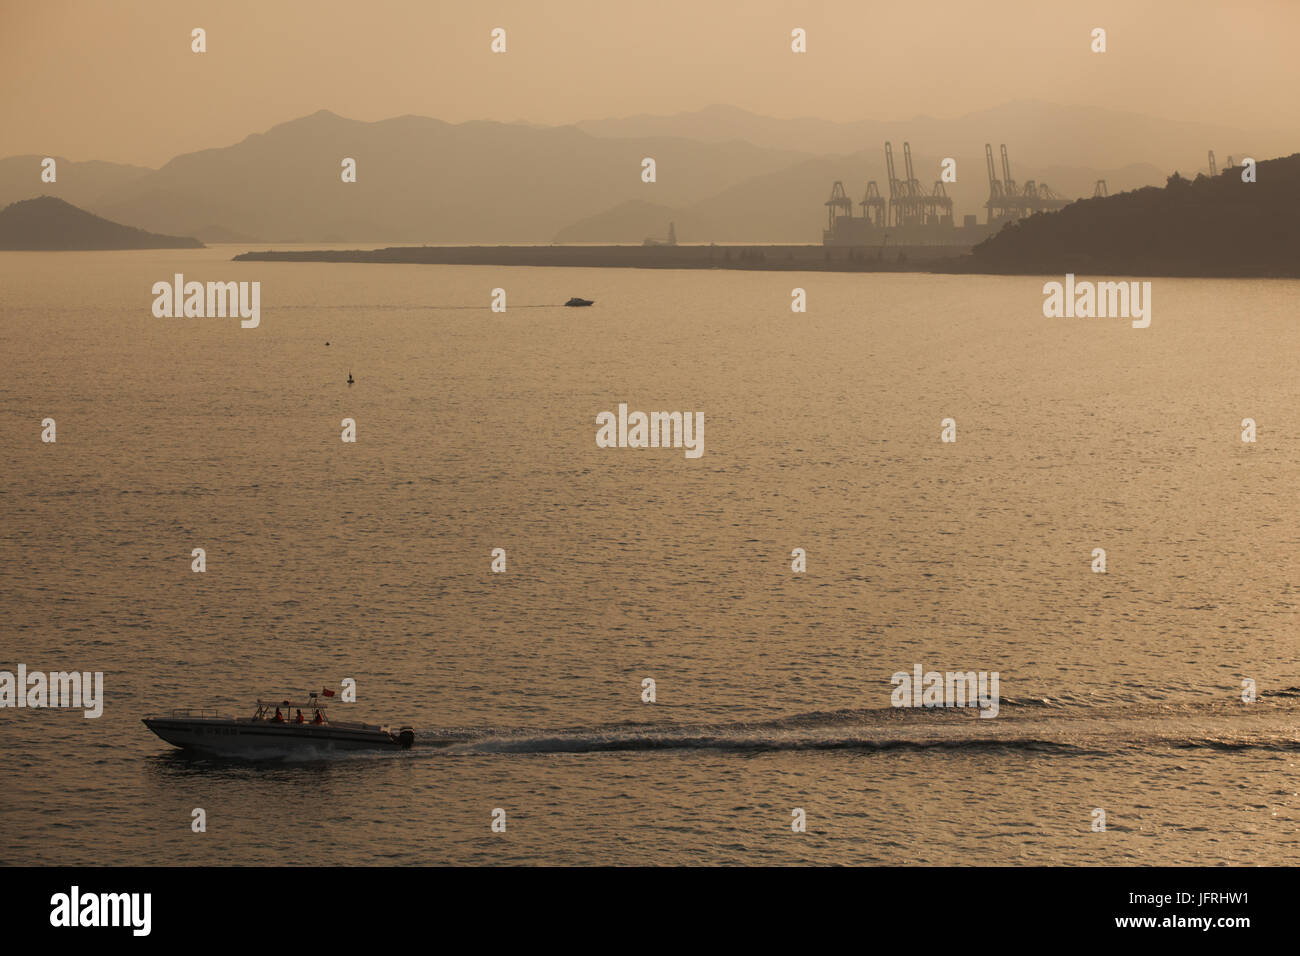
(576, 301)
(275, 729)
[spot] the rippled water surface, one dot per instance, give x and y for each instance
(371, 561)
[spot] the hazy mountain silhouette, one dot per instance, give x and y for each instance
(723, 174)
(49, 223)
(1201, 227)
(80, 183)
(421, 179)
(1042, 134)
(221, 234)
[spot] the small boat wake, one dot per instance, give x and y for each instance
(1033, 726)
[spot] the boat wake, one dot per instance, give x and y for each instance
(1031, 725)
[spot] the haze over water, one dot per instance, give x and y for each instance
(476, 430)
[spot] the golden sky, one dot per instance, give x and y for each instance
(116, 80)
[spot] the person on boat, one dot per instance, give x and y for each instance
(298, 719)
(318, 719)
(279, 717)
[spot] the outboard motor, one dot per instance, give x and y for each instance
(405, 738)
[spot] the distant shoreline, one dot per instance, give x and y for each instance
(774, 258)
(934, 260)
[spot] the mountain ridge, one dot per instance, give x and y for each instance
(48, 223)
(422, 179)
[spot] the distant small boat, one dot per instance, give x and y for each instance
(575, 301)
(349, 378)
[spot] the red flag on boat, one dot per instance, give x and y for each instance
(326, 692)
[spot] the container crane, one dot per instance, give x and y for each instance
(839, 205)
(873, 205)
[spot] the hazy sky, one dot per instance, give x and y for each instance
(115, 79)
